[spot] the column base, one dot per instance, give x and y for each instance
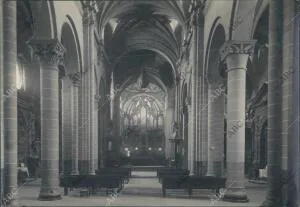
(235, 195)
(49, 196)
(273, 200)
(268, 203)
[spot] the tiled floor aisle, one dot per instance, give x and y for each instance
(140, 192)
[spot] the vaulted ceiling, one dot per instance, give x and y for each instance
(143, 37)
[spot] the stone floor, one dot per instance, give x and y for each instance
(142, 190)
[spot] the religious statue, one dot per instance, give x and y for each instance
(175, 130)
(176, 137)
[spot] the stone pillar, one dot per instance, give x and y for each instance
(1, 109)
(67, 124)
(168, 127)
(200, 81)
(199, 122)
(290, 83)
(117, 115)
(49, 52)
(83, 157)
(169, 119)
(85, 120)
(275, 99)
(236, 54)
(10, 126)
(95, 128)
(75, 123)
(191, 145)
(92, 82)
(215, 130)
(91, 115)
(204, 131)
(196, 23)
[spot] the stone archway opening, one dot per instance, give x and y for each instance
(69, 81)
(216, 105)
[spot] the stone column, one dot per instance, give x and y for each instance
(76, 78)
(275, 109)
(215, 130)
(236, 54)
(91, 115)
(200, 80)
(49, 52)
(87, 159)
(199, 122)
(83, 122)
(191, 145)
(1, 110)
(169, 119)
(290, 83)
(67, 124)
(204, 131)
(10, 126)
(84, 141)
(196, 23)
(95, 129)
(117, 115)
(92, 81)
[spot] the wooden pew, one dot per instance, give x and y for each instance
(91, 182)
(167, 170)
(172, 172)
(123, 172)
(174, 182)
(192, 182)
(205, 182)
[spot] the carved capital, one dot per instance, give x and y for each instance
(233, 47)
(76, 78)
(50, 51)
(88, 18)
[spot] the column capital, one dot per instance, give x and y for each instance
(49, 51)
(75, 78)
(88, 17)
(236, 47)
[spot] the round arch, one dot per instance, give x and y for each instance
(44, 12)
(113, 9)
(155, 47)
(217, 38)
(69, 39)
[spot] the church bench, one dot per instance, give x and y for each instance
(122, 172)
(205, 182)
(174, 182)
(192, 182)
(91, 182)
(172, 172)
(169, 170)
